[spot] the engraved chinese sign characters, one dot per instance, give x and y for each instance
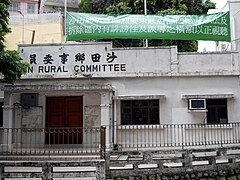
(98, 59)
(72, 62)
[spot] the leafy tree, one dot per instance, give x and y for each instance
(4, 29)
(85, 6)
(94, 6)
(11, 65)
(120, 8)
(160, 7)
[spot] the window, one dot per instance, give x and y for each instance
(217, 111)
(31, 8)
(14, 6)
(139, 112)
(1, 114)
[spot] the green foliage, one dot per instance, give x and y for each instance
(94, 6)
(183, 45)
(198, 7)
(4, 15)
(85, 6)
(171, 12)
(119, 8)
(11, 65)
(160, 7)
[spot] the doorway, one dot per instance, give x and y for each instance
(64, 120)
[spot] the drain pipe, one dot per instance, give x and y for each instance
(113, 118)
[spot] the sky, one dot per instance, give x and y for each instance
(219, 3)
(211, 45)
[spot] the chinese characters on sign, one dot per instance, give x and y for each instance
(82, 26)
(81, 62)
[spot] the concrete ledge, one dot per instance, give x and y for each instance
(85, 178)
(204, 154)
(147, 166)
(75, 169)
(126, 167)
(125, 97)
(22, 169)
(168, 165)
(221, 161)
(200, 163)
(22, 178)
(207, 96)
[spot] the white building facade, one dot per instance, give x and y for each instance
(134, 92)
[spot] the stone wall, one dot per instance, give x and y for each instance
(174, 164)
(53, 169)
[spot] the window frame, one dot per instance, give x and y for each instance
(133, 108)
(32, 9)
(216, 109)
(14, 6)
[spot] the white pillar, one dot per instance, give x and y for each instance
(115, 121)
(234, 6)
(106, 105)
(7, 122)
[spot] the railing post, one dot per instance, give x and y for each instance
(221, 130)
(205, 134)
(103, 142)
(8, 125)
(182, 128)
(1, 171)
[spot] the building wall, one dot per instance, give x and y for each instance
(35, 117)
(132, 62)
(131, 73)
(173, 76)
(23, 7)
(48, 29)
(58, 6)
(173, 108)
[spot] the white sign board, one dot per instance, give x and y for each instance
(95, 60)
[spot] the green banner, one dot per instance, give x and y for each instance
(82, 26)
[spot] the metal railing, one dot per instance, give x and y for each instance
(54, 141)
(93, 140)
(174, 135)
